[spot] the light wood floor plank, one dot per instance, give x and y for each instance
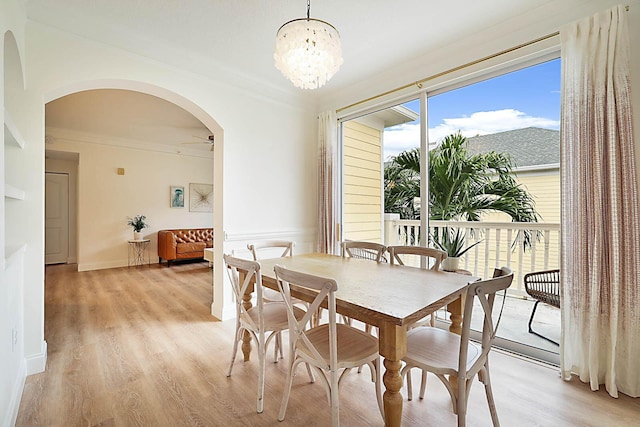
(138, 347)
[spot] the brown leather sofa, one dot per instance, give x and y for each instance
(186, 243)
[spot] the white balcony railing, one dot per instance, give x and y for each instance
(500, 245)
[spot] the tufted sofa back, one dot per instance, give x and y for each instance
(191, 235)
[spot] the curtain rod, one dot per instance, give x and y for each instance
(419, 83)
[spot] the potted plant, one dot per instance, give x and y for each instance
(138, 223)
(453, 244)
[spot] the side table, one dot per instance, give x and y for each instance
(138, 252)
(208, 255)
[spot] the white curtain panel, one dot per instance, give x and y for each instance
(601, 226)
(327, 151)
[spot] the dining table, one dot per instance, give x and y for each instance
(390, 297)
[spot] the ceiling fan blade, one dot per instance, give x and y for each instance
(208, 140)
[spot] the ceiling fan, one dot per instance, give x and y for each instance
(208, 140)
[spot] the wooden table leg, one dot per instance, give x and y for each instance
(246, 336)
(455, 309)
(393, 347)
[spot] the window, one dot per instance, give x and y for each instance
(511, 116)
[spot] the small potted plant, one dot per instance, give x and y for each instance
(138, 223)
(453, 244)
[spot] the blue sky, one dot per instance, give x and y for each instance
(524, 98)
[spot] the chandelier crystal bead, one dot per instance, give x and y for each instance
(308, 52)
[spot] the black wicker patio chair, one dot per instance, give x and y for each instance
(543, 286)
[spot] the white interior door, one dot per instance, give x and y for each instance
(56, 224)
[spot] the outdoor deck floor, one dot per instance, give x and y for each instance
(515, 318)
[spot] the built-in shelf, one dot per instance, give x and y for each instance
(11, 133)
(13, 193)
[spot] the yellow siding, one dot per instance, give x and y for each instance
(544, 187)
(362, 181)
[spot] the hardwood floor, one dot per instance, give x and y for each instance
(139, 347)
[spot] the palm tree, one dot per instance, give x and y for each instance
(462, 186)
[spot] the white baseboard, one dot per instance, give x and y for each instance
(37, 363)
(16, 396)
(223, 313)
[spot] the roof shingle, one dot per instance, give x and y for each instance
(528, 146)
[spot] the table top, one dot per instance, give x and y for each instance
(139, 240)
(376, 292)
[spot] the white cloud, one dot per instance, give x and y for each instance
(403, 137)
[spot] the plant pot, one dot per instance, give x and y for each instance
(137, 235)
(451, 264)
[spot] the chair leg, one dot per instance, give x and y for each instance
(261, 362)
(378, 367)
(423, 384)
(280, 345)
(235, 348)
(275, 348)
(533, 312)
(405, 373)
(531, 331)
(278, 348)
(489, 392)
(335, 399)
(287, 391)
(312, 378)
(462, 404)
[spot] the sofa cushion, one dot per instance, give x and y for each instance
(182, 248)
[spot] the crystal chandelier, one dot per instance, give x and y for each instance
(308, 51)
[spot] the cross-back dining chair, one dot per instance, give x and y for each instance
(445, 353)
(273, 249)
(433, 256)
(364, 250)
(259, 320)
(397, 255)
(328, 348)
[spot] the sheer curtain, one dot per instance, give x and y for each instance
(327, 151)
(601, 226)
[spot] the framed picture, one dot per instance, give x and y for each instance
(177, 196)
(200, 197)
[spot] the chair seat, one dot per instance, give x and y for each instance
(355, 347)
(437, 349)
(275, 316)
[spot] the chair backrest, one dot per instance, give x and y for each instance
(326, 288)
(364, 250)
(544, 286)
(396, 254)
(252, 274)
(271, 249)
(485, 291)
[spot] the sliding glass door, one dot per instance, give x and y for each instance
(493, 183)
